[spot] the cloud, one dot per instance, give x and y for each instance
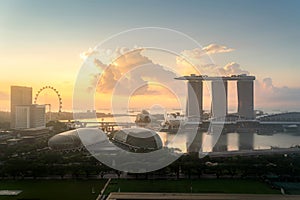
(120, 66)
(232, 68)
(128, 72)
(215, 48)
(193, 54)
(88, 53)
(210, 49)
(209, 69)
(270, 96)
(195, 61)
(267, 83)
(267, 95)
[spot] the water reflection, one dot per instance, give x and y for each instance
(231, 141)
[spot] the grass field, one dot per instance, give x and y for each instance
(82, 190)
(53, 189)
(195, 186)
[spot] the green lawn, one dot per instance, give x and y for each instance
(53, 189)
(196, 186)
(81, 190)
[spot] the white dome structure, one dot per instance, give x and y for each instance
(64, 141)
(138, 139)
(70, 139)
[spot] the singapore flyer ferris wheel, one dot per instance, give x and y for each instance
(53, 89)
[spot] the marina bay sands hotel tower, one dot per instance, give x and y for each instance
(219, 91)
(219, 110)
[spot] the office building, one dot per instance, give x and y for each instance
(24, 114)
(30, 116)
(20, 96)
(37, 116)
(22, 117)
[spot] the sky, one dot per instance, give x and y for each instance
(41, 42)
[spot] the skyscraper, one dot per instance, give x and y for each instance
(245, 98)
(19, 96)
(195, 101)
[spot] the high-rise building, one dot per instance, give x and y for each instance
(30, 116)
(219, 107)
(219, 95)
(245, 98)
(37, 116)
(194, 101)
(22, 117)
(20, 96)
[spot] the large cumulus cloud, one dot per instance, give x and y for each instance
(274, 97)
(129, 70)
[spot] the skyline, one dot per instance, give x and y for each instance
(41, 43)
(109, 99)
